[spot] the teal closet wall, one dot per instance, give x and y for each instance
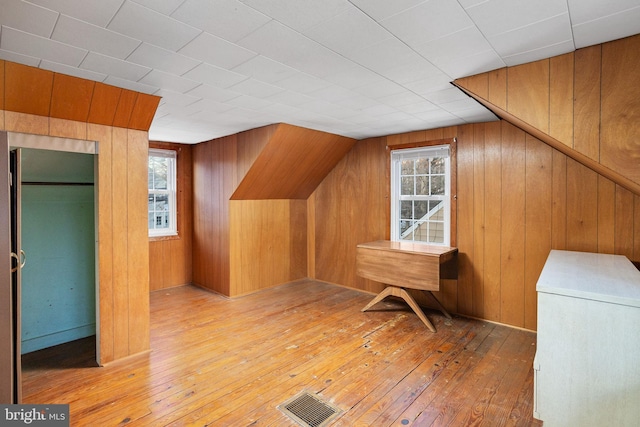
(58, 237)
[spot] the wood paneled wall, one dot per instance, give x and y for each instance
(588, 100)
(218, 167)
(349, 207)
(170, 258)
(44, 103)
(517, 198)
(292, 164)
(267, 243)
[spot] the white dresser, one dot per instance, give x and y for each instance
(587, 364)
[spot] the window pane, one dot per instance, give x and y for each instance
(422, 185)
(437, 185)
(162, 203)
(404, 226)
(420, 231)
(160, 174)
(406, 167)
(436, 232)
(420, 209)
(406, 209)
(406, 185)
(422, 166)
(437, 165)
(436, 210)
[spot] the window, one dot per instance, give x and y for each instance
(162, 193)
(420, 195)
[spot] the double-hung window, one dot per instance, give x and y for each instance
(162, 193)
(420, 195)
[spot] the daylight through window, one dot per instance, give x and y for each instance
(162, 193)
(420, 195)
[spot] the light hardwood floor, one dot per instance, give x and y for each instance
(222, 362)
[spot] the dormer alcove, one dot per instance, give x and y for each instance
(250, 205)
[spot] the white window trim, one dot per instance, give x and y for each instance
(411, 153)
(172, 190)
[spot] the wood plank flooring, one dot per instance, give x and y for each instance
(221, 362)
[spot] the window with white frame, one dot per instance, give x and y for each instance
(420, 195)
(162, 193)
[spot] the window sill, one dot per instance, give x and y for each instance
(160, 238)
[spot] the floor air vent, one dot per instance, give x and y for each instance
(309, 411)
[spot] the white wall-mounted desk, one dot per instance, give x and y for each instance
(587, 364)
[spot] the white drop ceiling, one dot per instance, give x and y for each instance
(357, 68)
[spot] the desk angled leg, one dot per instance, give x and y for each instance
(439, 305)
(401, 293)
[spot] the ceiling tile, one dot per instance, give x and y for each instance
(419, 69)
(152, 56)
(27, 17)
(333, 93)
(379, 89)
(115, 67)
(216, 51)
(348, 32)
(128, 84)
(97, 12)
(425, 22)
(469, 3)
(583, 11)
(290, 98)
(250, 102)
(177, 99)
(168, 81)
(463, 53)
(256, 88)
(423, 106)
(166, 7)
(19, 58)
(382, 9)
(284, 45)
(541, 53)
(211, 106)
(213, 93)
(144, 24)
(499, 16)
(265, 69)
(384, 55)
(399, 100)
(429, 84)
(91, 37)
(476, 115)
(229, 19)
(607, 28)
(214, 76)
(350, 75)
(303, 83)
(462, 43)
(300, 14)
(476, 63)
(40, 47)
(544, 33)
(446, 95)
(72, 71)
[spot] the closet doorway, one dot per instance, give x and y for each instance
(58, 233)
